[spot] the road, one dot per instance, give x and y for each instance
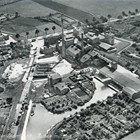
(21, 129)
(16, 109)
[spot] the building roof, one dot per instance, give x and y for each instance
(129, 90)
(2, 17)
(105, 46)
(92, 53)
(55, 76)
(61, 86)
(92, 36)
(88, 46)
(73, 50)
(1, 57)
(101, 37)
(123, 79)
(109, 34)
(85, 58)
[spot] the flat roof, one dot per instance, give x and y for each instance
(73, 50)
(92, 53)
(85, 58)
(105, 46)
(123, 79)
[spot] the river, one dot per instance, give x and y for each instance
(43, 120)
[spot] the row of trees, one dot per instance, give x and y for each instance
(124, 14)
(37, 32)
(109, 16)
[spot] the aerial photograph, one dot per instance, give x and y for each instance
(69, 69)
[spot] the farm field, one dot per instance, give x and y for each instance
(26, 8)
(81, 9)
(102, 7)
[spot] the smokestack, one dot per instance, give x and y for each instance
(63, 41)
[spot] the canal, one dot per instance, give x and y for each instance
(43, 120)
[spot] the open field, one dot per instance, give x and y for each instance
(27, 8)
(5, 2)
(81, 9)
(72, 12)
(20, 24)
(103, 7)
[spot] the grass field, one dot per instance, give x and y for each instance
(103, 7)
(20, 24)
(27, 8)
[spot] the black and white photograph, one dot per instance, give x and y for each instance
(69, 69)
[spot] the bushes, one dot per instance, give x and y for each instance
(1, 89)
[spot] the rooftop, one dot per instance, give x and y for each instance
(105, 46)
(55, 76)
(92, 53)
(85, 58)
(61, 86)
(63, 68)
(123, 79)
(73, 50)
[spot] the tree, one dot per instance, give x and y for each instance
(123, 13)
(17, 36)
(120, 17)
(87, 21)
(16, 14)
(53, 28)
(94, 19)
(109, 16)
(136, 10)
(104, 19)
(27, 34)
(36, 32)
(46, 30)
(129, 12)
(12, 45)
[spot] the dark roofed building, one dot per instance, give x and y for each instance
(61, 88)
(73, 51)
(85, 59)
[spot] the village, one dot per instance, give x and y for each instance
(81, 75)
